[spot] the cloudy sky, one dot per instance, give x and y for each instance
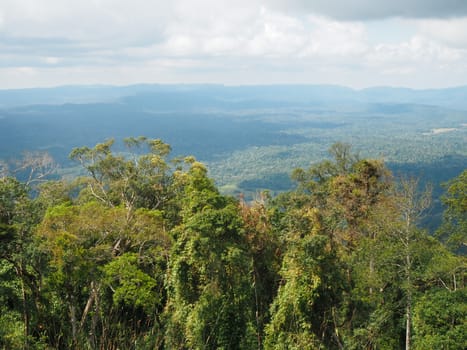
(359, 43)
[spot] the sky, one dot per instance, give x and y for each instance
(359, 43)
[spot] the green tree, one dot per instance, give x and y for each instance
(209, 285)
(109, 245)
(20, 262)
(264, 247)
(411, 204)
(132, 180)
(454, 227)
(398, 253)
(345, 198)
(346, 190)
(303, 313)
(440, 320)
(103, 264)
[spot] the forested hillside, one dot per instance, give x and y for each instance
(144, 252)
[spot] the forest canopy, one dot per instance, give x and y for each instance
(142, 251)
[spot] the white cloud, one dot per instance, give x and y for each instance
(332, 38)
(88, 21)
(181, 45)
(52, 60)
(273, 34)
(452, 32)
(246, 41)
(266, 34)
(417, 50)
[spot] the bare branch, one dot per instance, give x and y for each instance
(39, 166)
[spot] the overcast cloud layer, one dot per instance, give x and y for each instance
(414, 43)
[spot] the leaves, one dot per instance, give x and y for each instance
(145, 252)
(454, 228)
(440, 320)
(130, 285)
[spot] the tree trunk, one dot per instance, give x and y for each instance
(408, 313)
(258, 325)
(74, 323)
(372, 271)
(408, 326)
(25, 310)
(19, 268)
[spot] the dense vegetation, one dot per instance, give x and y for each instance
(144, 252)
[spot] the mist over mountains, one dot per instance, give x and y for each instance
(209, 96)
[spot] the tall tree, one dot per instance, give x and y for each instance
(18, 217)
(133, 180)
(412, 205)
(303, 315)
(454, 228)
(109, 244)
(101, 264)
(265, 249)
(209, 282)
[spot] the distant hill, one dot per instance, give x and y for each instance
(451, 97)
(219, 95)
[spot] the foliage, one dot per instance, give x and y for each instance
(440, 320)
(144, 252)
(21, 262)
(209, 285)
(302, 312)
(454, 229)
